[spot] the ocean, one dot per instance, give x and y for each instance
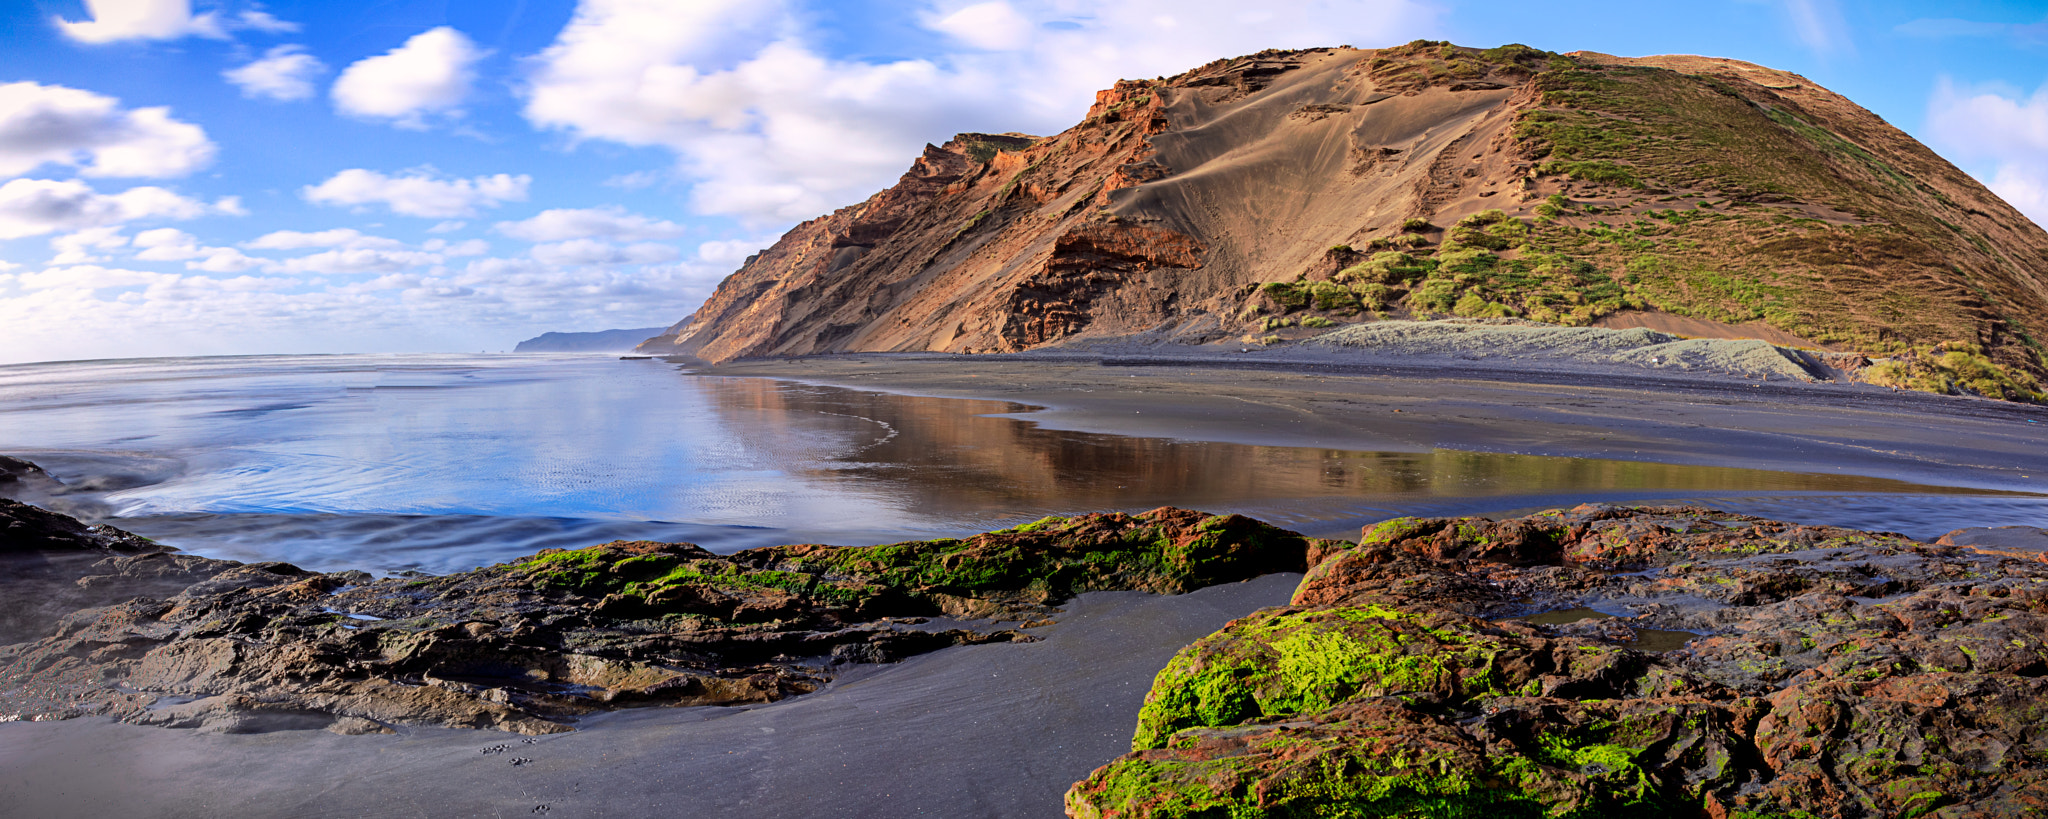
(440, 463)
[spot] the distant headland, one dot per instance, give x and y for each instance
(602, 341)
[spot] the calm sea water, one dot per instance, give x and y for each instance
(442, 463)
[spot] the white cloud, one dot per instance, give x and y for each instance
(472, 247)
(449, 226)
(2024, 186)
(105, 312)
(482, 269)
(733, 252)
(388, 281)
(77, 248)
(89, 277)
(356, 252)
(30, 207)
(223, 260)
(634, 181)
(53, 124)
(362, 260)
(2001, 126)
(260, 20)
(593, 252)
(418, 192)
(430, 74)
(994, 26)
(772, 131)
(173, 245)
(115, 20)
(210, 289)
(1819, 25)
(610, 222)
(285, 73)
(338, 237)
(51, 290)
(166, 245)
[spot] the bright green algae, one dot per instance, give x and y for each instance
(1276, 663)
(1167, 551)
(1156, 555)
(1377, 682)
(1344, 780)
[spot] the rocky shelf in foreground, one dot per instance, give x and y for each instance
(185, 641)
(1600, 661)
(1837, 674)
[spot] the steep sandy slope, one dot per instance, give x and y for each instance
(1289, 190)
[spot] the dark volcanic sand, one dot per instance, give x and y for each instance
(994, 730)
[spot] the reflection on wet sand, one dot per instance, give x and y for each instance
(946, 457)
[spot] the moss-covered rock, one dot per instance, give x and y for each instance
(1388, 757)
(1167, 550)
(522, 645)
(1281, 663)
(1829, 673)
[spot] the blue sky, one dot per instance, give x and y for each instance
(192, 177)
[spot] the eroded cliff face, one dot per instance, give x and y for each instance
(1337, 185)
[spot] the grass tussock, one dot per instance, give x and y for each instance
(1716, 161)
(1958, 370)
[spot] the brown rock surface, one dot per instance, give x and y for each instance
(2026, 542)
(521, 646)
(1834, 673)
(54, 565)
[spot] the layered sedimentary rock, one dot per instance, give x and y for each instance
(1272, 194)
(1835, 673)
(521, 646)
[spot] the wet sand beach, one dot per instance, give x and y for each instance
(1359, 403)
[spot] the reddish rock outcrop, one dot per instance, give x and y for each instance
(1509, 181)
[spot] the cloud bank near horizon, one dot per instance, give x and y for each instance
(399, 182)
